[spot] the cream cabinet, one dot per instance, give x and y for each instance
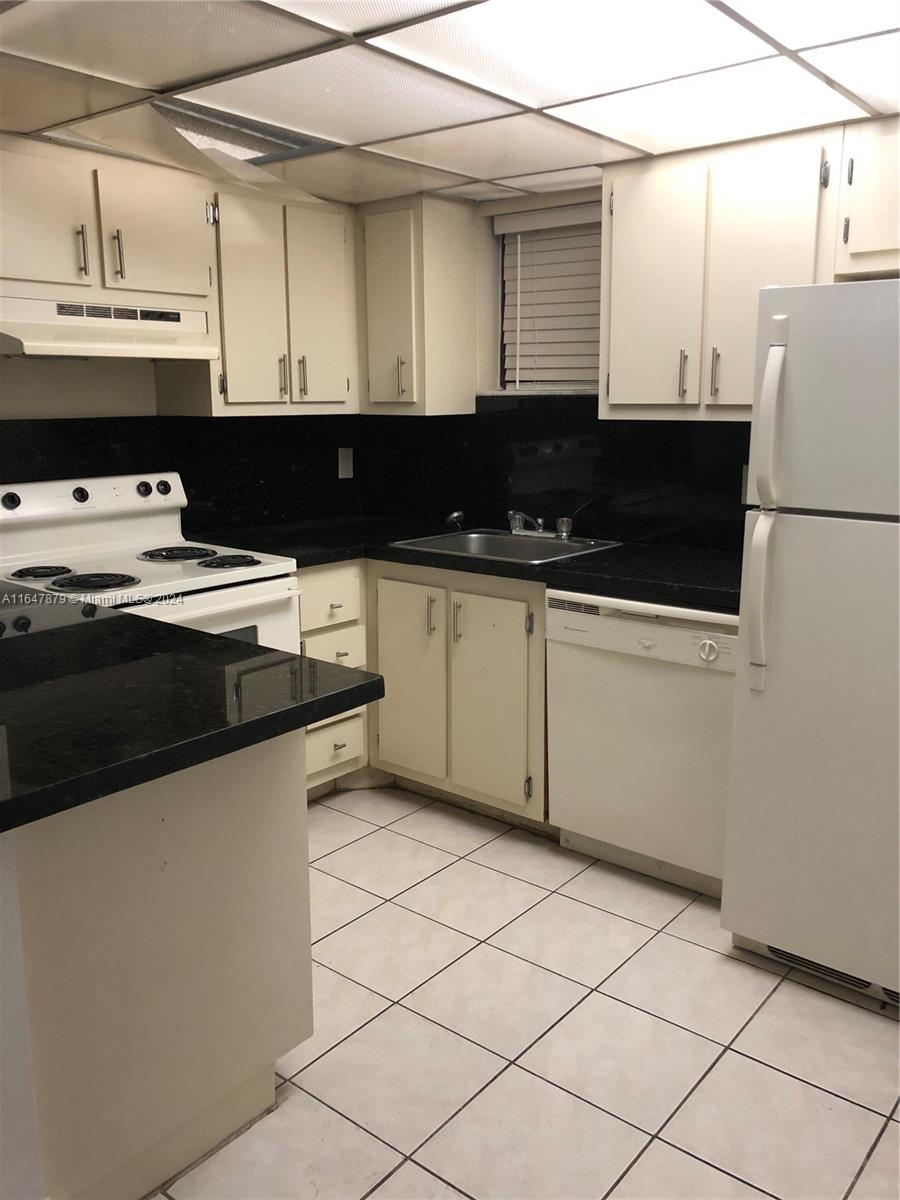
(48, 221)
(319, 305)
(155, 234)
(463, 663)
(868, 241)
(418, 260)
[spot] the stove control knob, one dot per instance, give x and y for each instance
(80, 494)
(708, 650)
(11, 500)
(22, 624)
(164, 487)
(144, 488)
(89, 610)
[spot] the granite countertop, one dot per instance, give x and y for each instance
(689, 564)
(92, 703)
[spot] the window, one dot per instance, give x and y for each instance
(551, 304)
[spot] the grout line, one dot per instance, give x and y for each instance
(396, 1149)
(761, 1062)
(715, 1167)
(666, 1020)
(865, 1162)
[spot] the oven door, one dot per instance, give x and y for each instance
(265, 613)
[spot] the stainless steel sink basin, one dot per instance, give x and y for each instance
(526, 548)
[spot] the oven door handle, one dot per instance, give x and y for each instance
(224, 609)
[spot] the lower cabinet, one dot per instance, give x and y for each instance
(463, 663)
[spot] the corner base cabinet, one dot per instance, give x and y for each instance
(463, 661)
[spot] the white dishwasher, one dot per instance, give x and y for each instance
(639, 702)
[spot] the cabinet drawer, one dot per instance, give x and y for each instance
(345, 646)
(329, 597)
(330, 745)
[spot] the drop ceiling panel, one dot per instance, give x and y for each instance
(153, 43)
(721, 106)
(797, 23)
(557, 181)
(34, 95)
(481, 191)
(350, 95)
(355, 176)
(870, 68)
(510, 146)
(540, 53)
(355, 16)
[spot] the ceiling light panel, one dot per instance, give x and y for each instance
(351, 95)
(351, 16)
(481, 191)
(354, 176)
(797, 23)
(542, 55)
(870, 68)
(511, 146)
(153, 43)
(34, 95)
(557, 181)
(759, 98)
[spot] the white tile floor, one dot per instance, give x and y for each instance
(502, 1019)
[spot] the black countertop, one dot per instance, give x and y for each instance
(689, 564)
(92, 704)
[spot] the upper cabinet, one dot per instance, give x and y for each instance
(419, 262)
(319, 303)
(868, 240)
(688, 244)
(154, 233)
(48, 227)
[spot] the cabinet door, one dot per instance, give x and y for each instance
(489, 696)
(254, 300)
(764, 207)
(390, 307)
(412, 657)
(656, 305)
(869, 231)
(319, 304)
(48, 224)
(155, 235)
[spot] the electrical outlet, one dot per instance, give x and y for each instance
(345, 462)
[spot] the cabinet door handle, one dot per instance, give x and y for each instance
(119, 239)
(85, 267)
(714, 372)
(304, 378)
(341, 653)
(401, 363)
(682, 372)
(457, 632)
(339, 746)
(335, 604)
(429, 615)
(282, 375)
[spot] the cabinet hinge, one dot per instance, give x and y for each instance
(223, 385)
(610, 203)
(529, 788)
(529, 623)
(825, 173)
(850, 171)
(846, 233)
(212, 213)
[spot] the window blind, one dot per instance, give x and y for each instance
(551, 307)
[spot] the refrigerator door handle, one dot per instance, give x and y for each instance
(767, 414)
(756, 593)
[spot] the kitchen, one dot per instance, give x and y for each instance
(502, 803)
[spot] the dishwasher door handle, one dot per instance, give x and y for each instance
(757, 587)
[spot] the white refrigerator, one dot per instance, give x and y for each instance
(811, 860)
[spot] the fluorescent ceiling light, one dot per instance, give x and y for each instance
(355, 176)
(357, 16)
(541, 53)
(480, 191)
(870, 68)
(510, 146)
(797, 23)
(557, 181)
(721, 106)
(350, 95)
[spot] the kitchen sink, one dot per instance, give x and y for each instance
(529, 548)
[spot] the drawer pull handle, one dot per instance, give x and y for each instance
(341, 653)
(339, 746)
(334, 605)
(430, 626)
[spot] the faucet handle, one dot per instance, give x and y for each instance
(516, 521)
(564, 527)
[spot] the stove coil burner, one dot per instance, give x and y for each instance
(40, 572)
(230, 560)
(177, 553)
(98, 581)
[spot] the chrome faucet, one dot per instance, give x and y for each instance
(517, 522)
(456, 518)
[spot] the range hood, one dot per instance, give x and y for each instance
(66, 329)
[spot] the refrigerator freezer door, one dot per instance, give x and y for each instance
(811, 857)
(825, 422)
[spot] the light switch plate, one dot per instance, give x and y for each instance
(345, 462)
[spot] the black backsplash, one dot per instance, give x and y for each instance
(674, 481)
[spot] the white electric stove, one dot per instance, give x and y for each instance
(116, 541)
